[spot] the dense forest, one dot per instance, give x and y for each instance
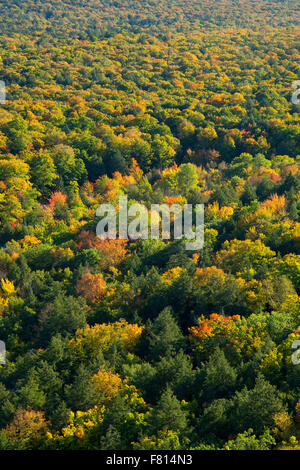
(123, 344)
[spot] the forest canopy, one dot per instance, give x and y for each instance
(143, 345)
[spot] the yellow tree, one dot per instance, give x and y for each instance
(92, 287)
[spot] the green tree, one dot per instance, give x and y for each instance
(256, 407)
(168, 414)
(220, 377)
(161, 337)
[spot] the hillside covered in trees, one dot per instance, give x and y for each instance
(122, 344)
